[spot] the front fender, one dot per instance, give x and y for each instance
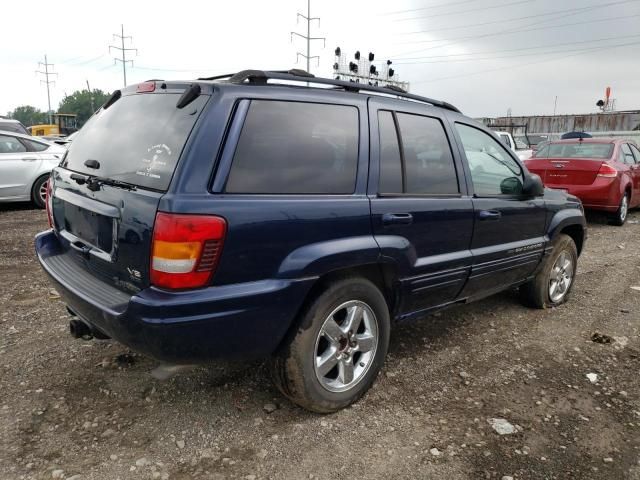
(319, 258)
(568, 217)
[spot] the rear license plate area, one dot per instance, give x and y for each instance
(90, 227)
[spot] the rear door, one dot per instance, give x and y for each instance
(422, 217)
(17, 167)
(137, 140)
(509, 230)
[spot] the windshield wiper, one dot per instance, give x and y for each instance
(94, 182)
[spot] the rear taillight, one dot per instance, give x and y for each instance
(607, 171)
(48, 202)
(185, 249)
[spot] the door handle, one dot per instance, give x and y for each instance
(397, 219)
(29, 159)
(80, 247)
(489, 215)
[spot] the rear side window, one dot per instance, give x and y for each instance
(137, 140)
(422, 163)
(628, 156)
(13, 127)
(636, 153)
(35, 146)
(296, 148)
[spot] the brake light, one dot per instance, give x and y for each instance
(48, 203)
(607, 171)
(185, 249)
(146, 87)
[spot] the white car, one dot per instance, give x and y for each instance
(25, 164)
(521, 149)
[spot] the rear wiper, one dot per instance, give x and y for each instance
(94, 182)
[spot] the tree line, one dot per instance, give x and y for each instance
(79, 102)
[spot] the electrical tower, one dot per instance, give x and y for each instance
(308, 37)
(124, 51)
(47, 82)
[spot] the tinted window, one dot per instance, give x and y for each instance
(628, 156)
(493, 170)
(295, 147)
(577, 150)
(35, 146)
(636, 152)
(137, 140)
(11, 145)
(428, 161)
(390, 166)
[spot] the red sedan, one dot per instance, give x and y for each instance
(603, 172)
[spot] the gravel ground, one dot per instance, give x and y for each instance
(91, 410)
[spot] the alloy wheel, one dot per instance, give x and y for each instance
(561, 277)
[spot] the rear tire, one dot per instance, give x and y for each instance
(620, 217)
(553, 283)
(338, 348)
(39, 191)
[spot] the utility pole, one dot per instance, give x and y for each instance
(555, 105)
(90, 96)
(123, 51)
(308, 37)
(47, 82)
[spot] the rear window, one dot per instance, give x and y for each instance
(576, 150)
(15, 127)
(296, 148)
(137, 140)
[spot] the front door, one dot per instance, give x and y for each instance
(422, 217)
(509, 231)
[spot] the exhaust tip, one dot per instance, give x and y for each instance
(79, 329)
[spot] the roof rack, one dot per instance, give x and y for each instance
(260, 77)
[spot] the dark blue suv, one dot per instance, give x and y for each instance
(238, 217)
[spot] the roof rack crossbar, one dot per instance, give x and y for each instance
(296, 75)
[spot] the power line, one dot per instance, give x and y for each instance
(459, 12)
(124, 51)
(447, 4)
(308, 37)
(471, 25)
(521, 29)
(46, 81)
(420, 60)
(510, 67)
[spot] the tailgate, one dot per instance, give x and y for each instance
(105, 193)
(565, 171)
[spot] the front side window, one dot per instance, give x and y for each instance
(11, 145)
(493, 170)
(296, 148)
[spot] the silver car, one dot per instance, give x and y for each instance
(25, 164)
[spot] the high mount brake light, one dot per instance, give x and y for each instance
(146, 87)
(185, 249)
(607, 171)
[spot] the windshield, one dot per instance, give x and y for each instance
(137, 140)
(598, 151)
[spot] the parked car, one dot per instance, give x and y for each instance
(12, 125)
(521, 149)
(603, 172)
(25, 164)
(293, 222)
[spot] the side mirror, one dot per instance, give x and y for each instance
(533, 186)
(511, 186)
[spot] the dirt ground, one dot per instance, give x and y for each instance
(91, 410)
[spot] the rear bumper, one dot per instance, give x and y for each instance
(241, 321)
(602, 194)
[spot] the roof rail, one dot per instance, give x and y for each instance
(262, 76)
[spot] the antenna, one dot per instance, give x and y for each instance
(308, 37)
(47, 82)
(124, 51)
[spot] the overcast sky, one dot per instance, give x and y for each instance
(484, 56)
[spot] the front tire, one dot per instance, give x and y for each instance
(552, 284)
(39, 191)
(620, 217)
(338, 349)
